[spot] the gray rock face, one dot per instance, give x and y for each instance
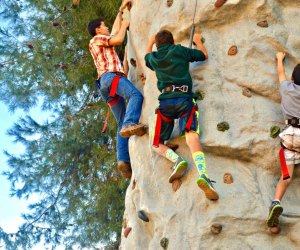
(246, 149)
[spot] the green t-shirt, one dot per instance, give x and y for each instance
(171, 65)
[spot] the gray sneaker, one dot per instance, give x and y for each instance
(178, 168)
(206, 185)
(274, 212)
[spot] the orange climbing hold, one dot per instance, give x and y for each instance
(232, 50)
(263, 24)
(176, 184)
(227, 178)
(169, 3)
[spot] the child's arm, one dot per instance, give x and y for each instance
(280, 67)
(197, 40)
(150, 44)
(118, 21)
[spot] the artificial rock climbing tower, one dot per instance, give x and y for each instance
(241, 103)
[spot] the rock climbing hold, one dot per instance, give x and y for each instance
(164, 242)
(223, 126)
(216, 228)
(263, 24)
(176, 184)
(247, 92)
(143, 216)
(227, 178)
(203, 40)
(200, 94)
(274, 131)
(133, 62)
(232, 50)
(64, 8)
(142, 78)
(129, 6)
(275, 230)
(169, 3)
(124, 224)
(133, 184)
(219, 3)
(174, 147)
(127, 231)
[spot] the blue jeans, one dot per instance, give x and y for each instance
(124, 116)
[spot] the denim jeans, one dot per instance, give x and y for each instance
(124, 116)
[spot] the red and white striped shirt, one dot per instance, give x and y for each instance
(105, 57)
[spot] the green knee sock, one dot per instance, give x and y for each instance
(171, 155)
(199, 160)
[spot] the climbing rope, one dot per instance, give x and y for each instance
(193, 27)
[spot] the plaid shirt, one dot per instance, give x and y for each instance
(104, 55)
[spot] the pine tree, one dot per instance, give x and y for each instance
(44, 58)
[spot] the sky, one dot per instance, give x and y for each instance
(12, 207)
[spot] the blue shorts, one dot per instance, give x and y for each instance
(177, 108)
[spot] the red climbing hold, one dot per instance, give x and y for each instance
(219, 3)
(127, 231)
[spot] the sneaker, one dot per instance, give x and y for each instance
(178, 169)
(274, 212)
(206, 185)
(125, 168)
(134, 129)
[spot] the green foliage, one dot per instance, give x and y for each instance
(44, 58)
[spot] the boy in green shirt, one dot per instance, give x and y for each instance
(176, 101)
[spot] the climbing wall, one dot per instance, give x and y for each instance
(239, 116)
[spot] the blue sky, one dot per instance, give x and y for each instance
(10, 208)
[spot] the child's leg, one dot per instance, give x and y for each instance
(180, 165)
(193, 142)
(275, 208)
(283, 184)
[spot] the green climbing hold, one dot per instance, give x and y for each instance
(164, 242)
(274, 131)
(200, 95)
(203, 40)
(143, 216)
(223, 126)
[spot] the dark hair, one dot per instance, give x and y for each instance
(296, 74)
(164, 37)
(93, 25)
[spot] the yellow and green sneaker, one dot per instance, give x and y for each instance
(178, 169)
(274, 212)
(206, 185)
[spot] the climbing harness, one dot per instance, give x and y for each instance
(284, 169)
(115, 98)
(160, 117)
(193, 27)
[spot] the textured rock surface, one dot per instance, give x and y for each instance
(246, 150)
